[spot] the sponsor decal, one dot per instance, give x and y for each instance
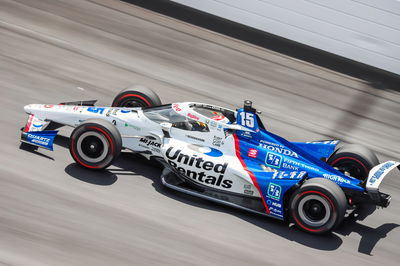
(218, 117)
(42, 138)
(324, 142)
(267, 169)
(270, 143)
(96, 110)
(192, 116)
(150, 144)
(248, 192)
(275, 207)
(38, 139)
(37, 125)
(252, 153)
(217, 141)
(205, 150)
(48, 106)
(291, 167)
(196, 168)
(207, 106)
(245, 134)
(273, 160)
(336, 178)
(125, 111)
(109, 111)
(195, 138)
(294, 165)
(247, 186)
(274, 191)
(77, 108)
(378, 174)
(276, 204)
(275, 211)
(247, 189)
(176, 107)
(289, 175)
(213, 124)
(132, 126)
(280, 150)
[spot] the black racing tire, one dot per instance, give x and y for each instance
(318, 206)
(136, 96)
(354, 160)
(95, 144)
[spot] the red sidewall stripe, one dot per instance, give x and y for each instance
(251, 174)
(321, 194)
(351, 158)
(135, 95)
(77, 158)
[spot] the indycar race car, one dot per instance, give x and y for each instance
(219, 154)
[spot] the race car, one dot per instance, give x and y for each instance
(226, 156)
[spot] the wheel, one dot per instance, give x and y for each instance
(136, 96)
(353, 160)
(318, 206)
(95, 144)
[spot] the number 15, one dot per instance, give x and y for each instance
(248, 119)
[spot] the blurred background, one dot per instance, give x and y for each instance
(316, 70)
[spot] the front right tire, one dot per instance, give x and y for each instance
(136, 96)
(353, 160)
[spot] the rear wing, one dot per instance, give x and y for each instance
(375, 177)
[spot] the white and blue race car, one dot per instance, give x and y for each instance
(218, 154)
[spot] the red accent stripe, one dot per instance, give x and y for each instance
(350, 158)
(253, 178)
(321, 194)
(29, 123)
(135, 95)
(76, 157)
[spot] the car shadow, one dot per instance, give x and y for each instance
(101, 178)
(369, 236)
(133, 164)
(33, 149)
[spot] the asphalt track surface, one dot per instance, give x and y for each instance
(54, 213)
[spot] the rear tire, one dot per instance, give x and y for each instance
(318, 206)
(354, 160)
(136, 96)
(95, 144)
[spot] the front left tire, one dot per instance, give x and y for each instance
(95, 144)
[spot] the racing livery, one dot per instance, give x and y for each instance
(226, 156)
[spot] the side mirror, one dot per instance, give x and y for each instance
(166, 128)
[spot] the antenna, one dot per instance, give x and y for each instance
(83, 94)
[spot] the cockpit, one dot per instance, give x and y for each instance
(190, 116)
